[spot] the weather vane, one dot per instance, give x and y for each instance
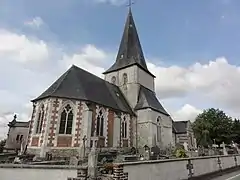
(130, 3)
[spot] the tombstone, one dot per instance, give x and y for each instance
(141, 157)
(133, 150)
(155, 152)
(185, 145)
(146, 153)
(236, 150)
(17, 160)
(224, 149)
(48, 156)
(73, 161)
(82, 153)
(93, 159)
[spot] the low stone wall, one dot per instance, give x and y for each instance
(37, 172)
(56, 152)
(175, 169)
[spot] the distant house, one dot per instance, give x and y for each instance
(183, 133)
(17, 133)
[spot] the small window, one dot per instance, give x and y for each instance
(159, 129)
(114, 80)
(21, 137)
(125, 78)
(17, 138)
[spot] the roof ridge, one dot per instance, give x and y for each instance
(88, 72)
(65, 75)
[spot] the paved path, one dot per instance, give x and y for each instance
(231, 176)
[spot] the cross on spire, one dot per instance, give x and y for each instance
(130, 3)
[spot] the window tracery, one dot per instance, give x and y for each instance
(100, 123)
(40, 120)
(66, 120)
(124, 127)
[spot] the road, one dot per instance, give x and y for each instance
(231, 176)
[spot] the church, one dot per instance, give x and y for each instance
(121, 110)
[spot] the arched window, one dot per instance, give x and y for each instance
(66, 120)
(159, 129)
(125, 79)
(40, 120)
(100, 123)
(17, 138)
(124, 127)
(21, 138)
(113, 80)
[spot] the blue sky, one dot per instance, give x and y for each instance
(191, 46)
(178, 32)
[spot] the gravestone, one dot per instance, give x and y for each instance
(82, 148)
(224, 149)
(185, 145)
(146, 153)
(92, 159)
(155, 152)
(73, 161)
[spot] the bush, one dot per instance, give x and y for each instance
(180, 153)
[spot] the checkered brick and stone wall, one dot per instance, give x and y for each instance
(84, 124)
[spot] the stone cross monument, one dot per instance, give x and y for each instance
(93, 158)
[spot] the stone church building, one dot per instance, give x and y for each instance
(122, 110)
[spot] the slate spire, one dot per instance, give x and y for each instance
(130, 50)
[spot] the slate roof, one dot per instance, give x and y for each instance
(130, 50)
(173, 128)
(148, 99)
(180, 126)
(79, 84)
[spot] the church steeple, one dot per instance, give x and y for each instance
(130, 50)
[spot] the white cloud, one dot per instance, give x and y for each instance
(216, 81)
(36, 22)
(21, 48)
(187, 112)
(89, 58)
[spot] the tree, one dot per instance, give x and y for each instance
(236, 131)
(2, 144)
(213, 125)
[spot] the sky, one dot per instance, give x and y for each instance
(191, 46)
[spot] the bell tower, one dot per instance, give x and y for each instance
(130, 70)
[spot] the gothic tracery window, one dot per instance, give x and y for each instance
(100, 123)
(40, 120)
(66, 120)
(114, 80)
(124, 127)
